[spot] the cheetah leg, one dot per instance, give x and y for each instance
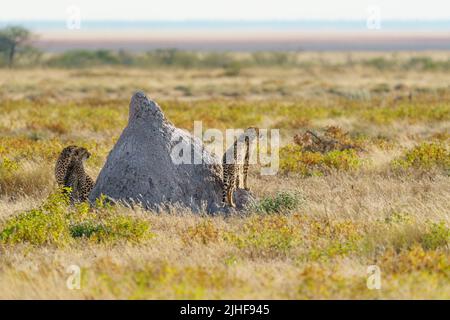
(224, 194)
(246, 163)
(245, 178)
(238, 178)
(230, 198)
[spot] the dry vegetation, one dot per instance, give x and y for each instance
(320, 223)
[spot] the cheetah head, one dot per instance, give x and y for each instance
(68, 151)
(82, 154)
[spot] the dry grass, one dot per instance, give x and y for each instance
(319, 246)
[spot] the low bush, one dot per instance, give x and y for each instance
(113, 228)
(57, 223)
(294, 159)
(282, 202)
(437, 236)
(425, 156)
(44, 225)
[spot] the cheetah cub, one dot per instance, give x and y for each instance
(232, 162)
(70, 172)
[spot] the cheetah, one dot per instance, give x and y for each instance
(70, 166)
(62, 163)
(231, 165)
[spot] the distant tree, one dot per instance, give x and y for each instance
(13, 39)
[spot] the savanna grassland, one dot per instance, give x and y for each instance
(318, 224)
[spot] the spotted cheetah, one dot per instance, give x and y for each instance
(76, 178)
(231, 164)
(62, 163)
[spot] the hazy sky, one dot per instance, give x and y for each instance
(222, 9)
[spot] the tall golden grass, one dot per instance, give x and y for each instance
(390, 211)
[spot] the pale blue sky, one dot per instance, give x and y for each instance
(223, 9)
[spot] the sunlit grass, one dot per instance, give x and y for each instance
(312, 232)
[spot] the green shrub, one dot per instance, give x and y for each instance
(57, 223)
(36, 227)
(122, 227)
(342, 160)
(44, 225)
(282, 202)
(86, 229)
(437, 236)
(333, 249)
(174, 57)
(398, 217)
(8, 166)
(274, 58)
(216, 60)
(233, 69)
(426, 155)
(380, 63)
(84, 58)
(103, 202)
(426, 63)
(114, 228)
(412, 112)
(294, 159)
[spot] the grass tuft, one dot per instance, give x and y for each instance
(282, 202)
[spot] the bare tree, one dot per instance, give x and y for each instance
(13, 39)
